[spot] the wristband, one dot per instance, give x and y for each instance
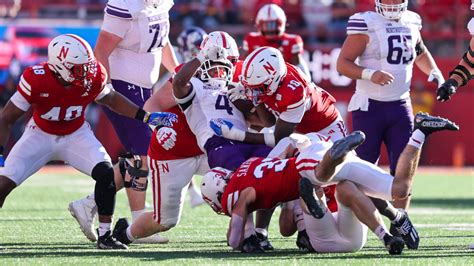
(142, 115)
(367, 73)
(269, 139)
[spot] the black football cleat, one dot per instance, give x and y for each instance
(252, 245)
(264, 242)
(107, 241)
(307, 194)
(342, 147)
(407, 231)
(120, 231)
(302, 241)
(393, 244)
(429, 124)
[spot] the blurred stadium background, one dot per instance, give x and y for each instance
(27, 26)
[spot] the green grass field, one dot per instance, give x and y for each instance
(36, 228)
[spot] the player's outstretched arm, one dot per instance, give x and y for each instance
(181, 85)
(460, 75)
(8, 117)
(121, 105)
(425, 61)
(239, 217)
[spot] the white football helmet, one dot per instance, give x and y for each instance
(389, 11)
(189, 41)
(271, 20)
(262, 72)
(223, 39)
(72, 58)
(218, 73)
(212, 187)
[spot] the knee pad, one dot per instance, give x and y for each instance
(132, 164)
(103, 173)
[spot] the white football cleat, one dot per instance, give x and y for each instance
(153, 239)
(84, 211)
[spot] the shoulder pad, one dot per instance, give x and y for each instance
(118, 8)
(358, 24)
(470, 26)
(414, 18)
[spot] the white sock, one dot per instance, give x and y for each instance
(135, 214)
(298, 217)
(104, 228)
(417, 139)
(262, 231)
(380, 231)
(129, 233)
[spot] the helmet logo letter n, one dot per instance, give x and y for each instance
(63, 53)
(269, 68)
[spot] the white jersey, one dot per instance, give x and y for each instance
(205, 103)
(470, 26)
(391, 48)
(144, 32)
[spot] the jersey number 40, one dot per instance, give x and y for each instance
(72, 112)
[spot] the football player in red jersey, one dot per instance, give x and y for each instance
(280, 89)
(262, 183)
(271, 23)
(59, 91)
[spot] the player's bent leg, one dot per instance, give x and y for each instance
(355, 207)
(6, 186)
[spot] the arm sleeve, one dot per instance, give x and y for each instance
(116, 25)
(294, 114)
(357, 25)
(24, 86)
(186, 101)
(19, 101)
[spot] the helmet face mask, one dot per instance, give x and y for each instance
(71, 59)
(217, 74)
(391, 11)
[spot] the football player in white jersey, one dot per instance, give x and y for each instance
(205, 98)
(462, 73)
(132, 45)
(386, 43)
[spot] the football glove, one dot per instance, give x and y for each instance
(226, 129)
(161, 119)
(444, 92)
(166, 136)
(237, 92)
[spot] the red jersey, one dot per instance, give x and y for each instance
(275, 181)
(319, 110)
(57, 109)
(237, 70)
(288, 44)
(185, 146)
